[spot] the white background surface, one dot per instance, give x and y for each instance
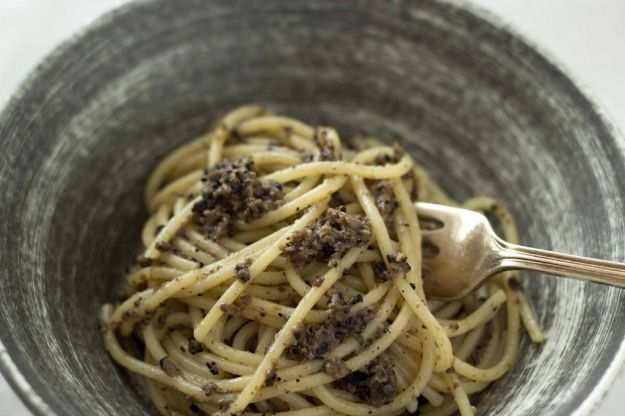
(587, 36)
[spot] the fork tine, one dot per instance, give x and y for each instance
(435, 211)
(432, 219)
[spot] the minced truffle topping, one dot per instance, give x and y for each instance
(271, 376)
(164, 246)
(380, 272)
(398, 263)
(384, 158)
(211, 388)
(195, 346)
(397, 266)
(242, 270)
(312, 341)
(231, 309)
(327, 239)
(340, 305)
(233, 192)
(376, 384)
(327, 149)
(169, 367)
(385, 202)
(212, 367)
(143, 261)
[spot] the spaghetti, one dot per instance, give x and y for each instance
(282, 275)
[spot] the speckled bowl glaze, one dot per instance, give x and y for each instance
(474, 103)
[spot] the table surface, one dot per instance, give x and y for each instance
(585, 36)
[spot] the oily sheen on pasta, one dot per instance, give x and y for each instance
(282, 275)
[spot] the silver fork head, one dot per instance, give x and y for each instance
(460, 250)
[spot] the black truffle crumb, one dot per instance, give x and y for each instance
(398, 263)
(376, 384)
(233, 192)
(380, 272)
(231, 309)
(164, 246)
(384, 158)
(327, 239)
(318, 281)
(385, 202)
(195, 346)
(242, 270)
(211, 388)
(327, 149)
(313, 341)
(398, 266)
(144, 261)
(169, 367)
(212, 367)
(270, 377)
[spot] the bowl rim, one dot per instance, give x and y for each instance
(37, 405)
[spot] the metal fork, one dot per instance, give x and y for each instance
(462, 250)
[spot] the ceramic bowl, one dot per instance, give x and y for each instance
(473, 102)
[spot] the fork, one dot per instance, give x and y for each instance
(462, 251)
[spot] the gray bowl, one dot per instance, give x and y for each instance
(474, 103)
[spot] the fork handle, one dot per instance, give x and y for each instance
(585, 268)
